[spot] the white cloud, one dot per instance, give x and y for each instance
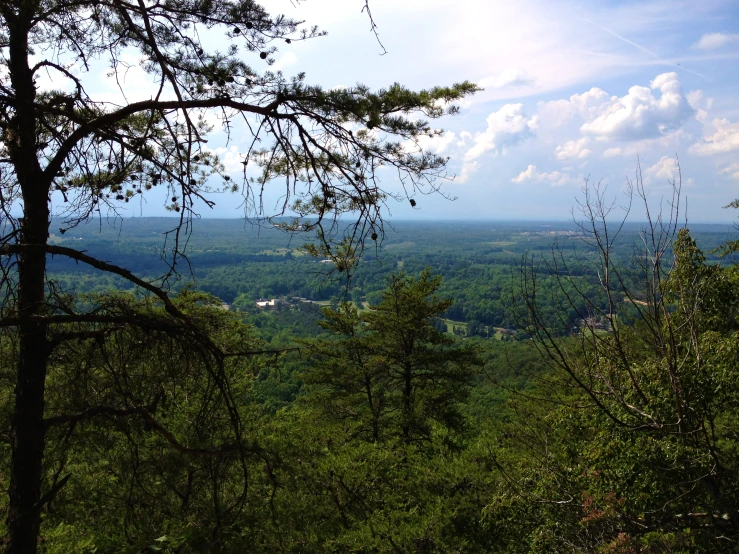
(677, 141)
(554, 178)
(732, 171)
(506, 127)
(286, 60)
(665, 169)
(526, 175)
(467, 170)
(640, 114)
(129, 82)
(572, 149)
(587, 106)
(508, 78)
(712, 41)
(464, 136)
(230, 157)
(725, 139)
(613, 152)
(694, 98)
(436, 143)
(637, 116)
(646, 119)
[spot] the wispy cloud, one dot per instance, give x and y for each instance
(554, 178)
(713, 41)
(624, 39)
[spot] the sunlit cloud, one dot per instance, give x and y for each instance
(724, 139)
(554, 178)
(572, 149)
(641, 114)
(713, 41)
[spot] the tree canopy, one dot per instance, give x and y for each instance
(390, 373)
(324, 147)
(154, 421)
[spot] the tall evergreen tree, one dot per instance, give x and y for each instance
(389, 370)
(323, 146)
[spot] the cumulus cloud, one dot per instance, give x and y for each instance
(694, 98)
(572, 149)
(640, 114)
(712, 41)
(526, 175)
(666, 169)
(654, 118)
(464, 137)
(506, 127)
(129, 82)
(286, 60)
(587, 106)
(732, 171)
(554, 178)
(613, 152)
(467, 170)
(644, 113)
(725, 139)
(701, 115)
(230, 157)
(436, 143)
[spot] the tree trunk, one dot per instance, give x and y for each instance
(24, 494)
(24, 516)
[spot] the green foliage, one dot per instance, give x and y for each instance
(631, 444)
(341, 458)
(339, 494)
(367, 463)
(241, 265)
(390, 372)
(142, 436)
(92, 156)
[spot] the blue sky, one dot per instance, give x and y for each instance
(572, 90)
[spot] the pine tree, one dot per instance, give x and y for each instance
(389, 371)
(324, 146)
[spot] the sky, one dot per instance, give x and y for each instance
(573, 91)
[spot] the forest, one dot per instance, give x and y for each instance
(318, 376)
(416, 405)
(238, 263)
